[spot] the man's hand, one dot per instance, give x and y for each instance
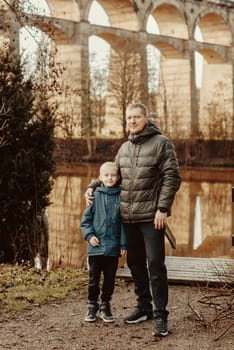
(89, 196)
(160, 220)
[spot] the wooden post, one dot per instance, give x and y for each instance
(171, 238)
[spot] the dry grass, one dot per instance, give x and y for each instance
(22, 286)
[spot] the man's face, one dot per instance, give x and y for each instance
(136, 120)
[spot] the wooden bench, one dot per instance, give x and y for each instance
(191, 270)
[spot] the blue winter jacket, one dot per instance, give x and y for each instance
(102, 219)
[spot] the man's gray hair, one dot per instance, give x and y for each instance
(138, 105)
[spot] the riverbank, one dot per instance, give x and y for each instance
(204, 153)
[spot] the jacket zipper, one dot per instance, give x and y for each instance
(132, 180)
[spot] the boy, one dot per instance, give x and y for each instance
(102, 228)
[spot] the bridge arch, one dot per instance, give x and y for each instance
(101, 18)
(64, 9)
(170, 18)
(215, 95)
(121, 14)
(214, 28)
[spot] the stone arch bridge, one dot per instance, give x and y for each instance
(190, 108)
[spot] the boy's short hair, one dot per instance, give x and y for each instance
(138, 105)
(108, 164)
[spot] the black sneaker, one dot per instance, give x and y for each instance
(91, 314)
(92, 311)
(105, 312)
(139, 316)
(161, 329)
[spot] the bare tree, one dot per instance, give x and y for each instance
(98, 92)
(218, 125)
(94, 102)
(126, 80)
(159, 102)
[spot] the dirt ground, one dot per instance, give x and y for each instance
(61, 325)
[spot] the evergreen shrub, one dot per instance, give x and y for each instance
(26, 161)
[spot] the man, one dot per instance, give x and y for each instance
(150, 179)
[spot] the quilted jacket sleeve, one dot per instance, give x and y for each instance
(170, 179)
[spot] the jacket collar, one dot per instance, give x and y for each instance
(108, 190)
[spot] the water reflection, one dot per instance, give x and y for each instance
(201, 215)
(197, 236)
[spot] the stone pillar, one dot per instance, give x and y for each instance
(233, 216)
(84, 78)
(194, 129)
(143, 68)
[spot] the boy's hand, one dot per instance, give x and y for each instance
(89, 196)
(94, 241)
(123, 252)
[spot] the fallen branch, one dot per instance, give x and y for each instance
(225, 331)
(221, 302)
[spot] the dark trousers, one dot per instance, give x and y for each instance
(145, 259)
(97, 265)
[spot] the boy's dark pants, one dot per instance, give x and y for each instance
(145, 258)
(98, 264)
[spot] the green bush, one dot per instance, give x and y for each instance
(26, 149)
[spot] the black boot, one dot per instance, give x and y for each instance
(105, 312)
(92, 311)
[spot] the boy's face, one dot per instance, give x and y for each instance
(109, 176)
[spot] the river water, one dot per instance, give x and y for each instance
(201, 215)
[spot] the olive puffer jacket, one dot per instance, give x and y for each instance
(150, 174)
(102, 219)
